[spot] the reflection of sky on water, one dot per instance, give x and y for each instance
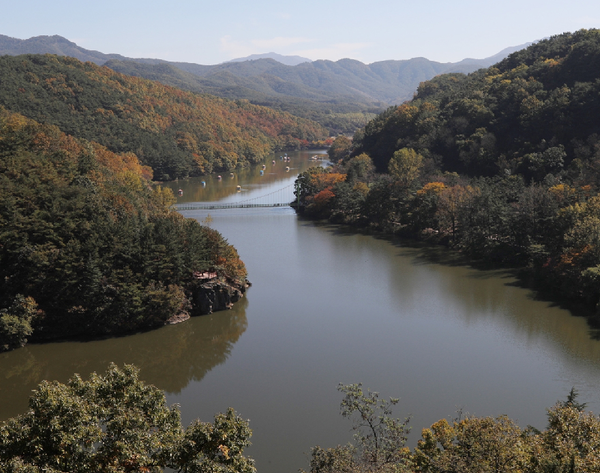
(252, 183)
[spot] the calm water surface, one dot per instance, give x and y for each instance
(329, 306)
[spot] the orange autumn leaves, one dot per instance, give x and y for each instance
(326, 182)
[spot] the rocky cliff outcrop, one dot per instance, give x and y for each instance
(214, 295)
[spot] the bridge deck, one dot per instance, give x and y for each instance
(278, 198)
(232, 205)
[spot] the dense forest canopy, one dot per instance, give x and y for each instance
(534, 113)
(87, 245)
(503, 164)
(177, 133)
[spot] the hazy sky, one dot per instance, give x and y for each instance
(210, 32)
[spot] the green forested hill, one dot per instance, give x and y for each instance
(87, 246)
(503, 164)
(534, 113)
(325, 91)
(177, 133)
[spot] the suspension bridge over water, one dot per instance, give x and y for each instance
(279, 198)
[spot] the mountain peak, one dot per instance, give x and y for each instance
(287, 60)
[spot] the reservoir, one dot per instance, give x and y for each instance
(329, 306)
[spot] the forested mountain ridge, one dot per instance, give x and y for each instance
(87, 246)
(311, 89)
(339, 113)
(387, 81)
(502, 164)
(499, 119)
(340, 95)
(175, 132)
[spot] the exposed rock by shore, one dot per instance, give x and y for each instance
(208, 296)
(215, 295)
(178, 318)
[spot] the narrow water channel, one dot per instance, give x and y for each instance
(329, 306)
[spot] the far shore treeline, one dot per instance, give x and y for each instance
(502, 164)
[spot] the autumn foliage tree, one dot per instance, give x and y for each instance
(404, 166)
(468, 444)
(340, 148)
(315, 189)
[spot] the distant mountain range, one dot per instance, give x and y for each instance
(321, 90)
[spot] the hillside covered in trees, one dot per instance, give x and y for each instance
(88, 247)
(176, 133)
(534, 113)
(502, 164)
(266, 82)
(340, 95)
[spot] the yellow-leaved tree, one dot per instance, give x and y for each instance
(405, 166)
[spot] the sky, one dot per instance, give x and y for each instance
(212, 32)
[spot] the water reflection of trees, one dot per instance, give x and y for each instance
(421, 277)
(193, 349)
(498, 296)
(169, 358)
(495, 296)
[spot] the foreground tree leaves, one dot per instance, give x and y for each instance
(117, 423)
(570, 443)
(379, 438)
(473, 445)
(15, 322)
